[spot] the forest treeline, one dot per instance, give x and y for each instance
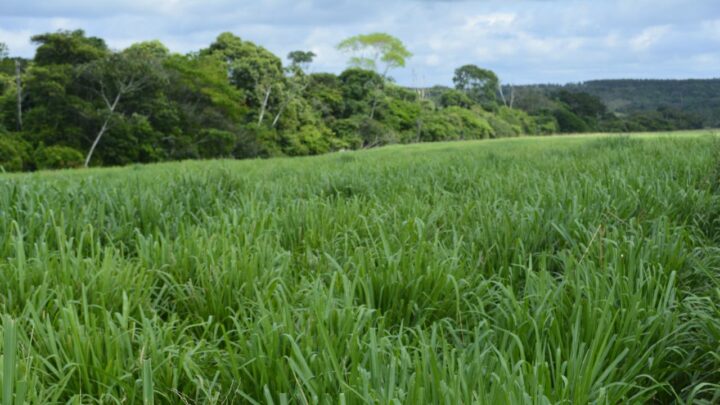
(641, 104)
(77, 102)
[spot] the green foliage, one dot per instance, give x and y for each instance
(233, 99)
(627, 100)
(502, 128)
(13, 154)
(547, 124)
(398, 114)
(215, 143)
(522, 122)
(348, 129)
(359, 86)
(68, 47)
(58, 157)
(568, 122)
(481, 85)
(325, 94)
(699, 98)
(455, 98)
(252, 69)
(535, 270)
(582, 104)
(375, 133)
(370, 49)
(300, 60)
(200, 87)
(309, 140)
(454, 123)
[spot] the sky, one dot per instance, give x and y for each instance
(523, 41)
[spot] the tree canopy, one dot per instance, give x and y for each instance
(370, 51)
(79, 102)
(479, 84)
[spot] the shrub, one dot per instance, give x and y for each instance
(14, 154)
(400, 115)
(58, 157)
(216, 143)
(309, 140)
(472, 124)
(10, 159)
(520, 120)
(454, 123)
(359, 131)
(569, 122)
(455, 98)
(348, 129)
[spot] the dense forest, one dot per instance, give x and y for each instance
(643, 104)
(78, 102)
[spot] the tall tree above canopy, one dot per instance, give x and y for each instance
(3, 51)
(370, 50)
(68, 47)
(479, 84)
(301, 59)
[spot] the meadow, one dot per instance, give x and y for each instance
(566, 270)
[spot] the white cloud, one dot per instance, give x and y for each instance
(432, 60)
(524, 41)
(649, 37)
(17, 41)
(490, 22)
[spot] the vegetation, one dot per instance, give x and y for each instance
(543, 270)
(236, 99)
(232, 99)
(631, 105)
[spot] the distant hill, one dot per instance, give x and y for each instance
(696, 96)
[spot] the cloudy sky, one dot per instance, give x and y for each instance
(524, 41)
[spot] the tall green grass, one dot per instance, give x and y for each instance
(561, 270)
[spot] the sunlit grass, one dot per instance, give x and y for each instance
(531, 270)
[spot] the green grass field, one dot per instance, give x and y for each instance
(533, 270)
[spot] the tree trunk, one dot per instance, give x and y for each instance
(287, 101)
(264, 105)
(103, 129)
(277, 117)
(375, 95)
(512, 96)
(374, 105)
(18, 83)
(502, 95)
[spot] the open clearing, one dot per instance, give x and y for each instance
(531, 270)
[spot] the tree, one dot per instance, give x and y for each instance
(359, 88)
(479, 84)
(116, 77)
(455, 98)
(251, 68)
(301, 59)
(371, 49)
(297, 81)
(19, 95)
(68, 47)
(18, 82)
(201, 98)
(584, 105)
